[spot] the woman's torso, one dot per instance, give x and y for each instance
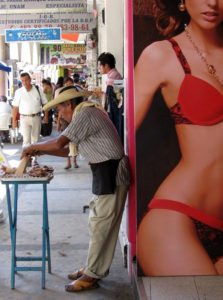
(197, 178)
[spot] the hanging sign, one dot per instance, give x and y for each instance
(69, 22)
(63, 54)
(33, 6)
(32, 34)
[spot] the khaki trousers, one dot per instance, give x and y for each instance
(30, 129)
(104, 223)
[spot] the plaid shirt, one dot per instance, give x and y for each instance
(97, 140)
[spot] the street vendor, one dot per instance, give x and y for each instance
(98, 142)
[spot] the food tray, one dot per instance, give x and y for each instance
(25, 177)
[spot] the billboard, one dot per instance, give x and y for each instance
(178, 179)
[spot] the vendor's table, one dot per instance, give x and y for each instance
(15, 182)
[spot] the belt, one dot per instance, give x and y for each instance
(31, 115)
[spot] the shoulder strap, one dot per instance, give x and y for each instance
(180, 56)
(37, 87)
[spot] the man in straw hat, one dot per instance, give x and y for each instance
(98, 142)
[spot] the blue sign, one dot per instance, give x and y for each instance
(4, 67)
(32, 34)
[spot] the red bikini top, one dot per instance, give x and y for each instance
(199, 103)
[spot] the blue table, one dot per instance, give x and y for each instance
(13, 223)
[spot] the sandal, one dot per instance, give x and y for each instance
(80, 285)
(76, 274)
(67, 167)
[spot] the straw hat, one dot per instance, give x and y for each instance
(63, 94)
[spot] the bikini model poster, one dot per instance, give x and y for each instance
(183, 231)
(157, 150)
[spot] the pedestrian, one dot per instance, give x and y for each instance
(106, 64)
(28, 102)
(61, 126)
(113, 104)
(4, 106)
(58, 85)
(77, 82)
(19, 83)
(47, 89)
(46, 129)
(52, 83)
(6, 110)
(98, 142)
(68, 81)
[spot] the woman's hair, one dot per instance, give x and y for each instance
(60, 81)
(169, 19)
(66, 79)
(47, 82)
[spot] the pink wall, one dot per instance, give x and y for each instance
(130, 129)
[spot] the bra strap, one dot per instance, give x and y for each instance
(180, 56)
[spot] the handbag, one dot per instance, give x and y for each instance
(46, 129)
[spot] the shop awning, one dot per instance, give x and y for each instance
(73, 37)
(4, 67)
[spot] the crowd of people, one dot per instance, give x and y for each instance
(29, 98)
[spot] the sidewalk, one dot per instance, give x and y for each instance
(68, 192)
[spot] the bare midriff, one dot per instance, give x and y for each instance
(197, 180)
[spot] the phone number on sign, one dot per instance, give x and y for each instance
(65, 27)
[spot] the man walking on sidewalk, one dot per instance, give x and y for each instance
(98, 142)
(28, 102)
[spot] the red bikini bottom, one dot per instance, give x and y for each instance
(209, 229)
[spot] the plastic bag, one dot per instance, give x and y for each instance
(3, 162)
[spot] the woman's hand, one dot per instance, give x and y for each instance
(45, 119)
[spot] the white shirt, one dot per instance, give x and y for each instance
(29, 102)
(5, 108)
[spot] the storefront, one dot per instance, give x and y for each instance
(44, 59)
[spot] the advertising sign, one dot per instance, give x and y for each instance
(21, 6)
(63, 54)
(32, 34)
(69, 22)
(178, 179)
